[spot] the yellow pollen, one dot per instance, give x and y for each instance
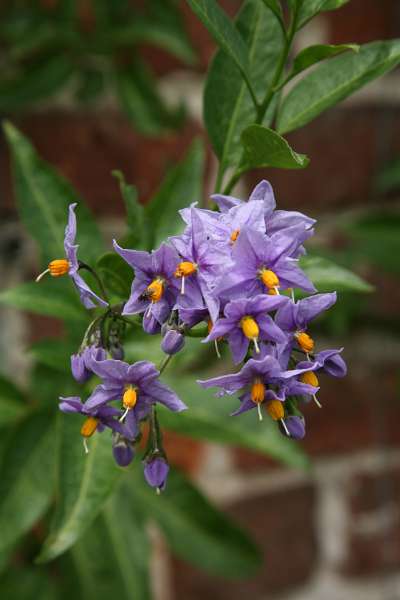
(89, 426)
(269, 278)
(272, 292)
(275, 410)
(305, 342)
(309, 378)
(257, 391)
(129, 398)
(185, 268)
(209, 326)
(249, 328)
(235, 235)
(155, 290)
(58, 267)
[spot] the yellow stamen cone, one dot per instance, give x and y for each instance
(89, 427)
(250, 328)
(305, 341)
(309, 378)
(269, 278)
(129, 398)
(235, 235)
(275, 410)
(185, 268)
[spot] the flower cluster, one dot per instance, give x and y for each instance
(235, 269)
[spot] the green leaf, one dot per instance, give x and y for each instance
(51, 298)
(12, 402)
(136, 218)
(26, 477)
(228, 107)
(38, 81)
(209, 418)
(84, 483)
(181, 186)
(120, 570)
(53, 354)
(24, 582)
(116, 274)
(275, 7)
(314, 54)
(195, 530)
(263, 147)
(328, 276)
(137, 92)
(333, 81)
(222, 30)
(43, 199)
(307, 9)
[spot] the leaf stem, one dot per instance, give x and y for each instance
(103, 292)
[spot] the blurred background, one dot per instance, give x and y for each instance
(128, 96)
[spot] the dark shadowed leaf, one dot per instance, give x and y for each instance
(12, 402)
(327, 276)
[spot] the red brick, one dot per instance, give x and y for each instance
(370, 492)
(183, 452)
(282, 523)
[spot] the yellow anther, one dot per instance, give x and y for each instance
(89, 426)
(209, 326)
(185, 268)
(129, 398)
(235, 235)
(269, 278)
(305, 342)
(309, 378)
(257, 391)
(272, 292)
(249, 327)
(275, 410)
(155, 290)
(59, 267)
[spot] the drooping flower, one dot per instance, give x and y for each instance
(156, 471)
(97, 417)
(293, 426)
(137, 386)
(246, 320)
(123, 449)
(154, 289)
(80, 362)
(262, 264)
(173, 341)
(70, 265)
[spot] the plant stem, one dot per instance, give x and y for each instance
(164, 363)
(103, 292)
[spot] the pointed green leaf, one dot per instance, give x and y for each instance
(120, 570)
(26, 477)
(182, 186)
(223, 31)
(314, 54)
(307, 9)
(43, 199)
(209, 418)
(196, 530)
(136, 218)
(333, 81)
(116, 273)
(228, 107)
(84, 483)
(263, 147)
(327, 276)
(48, 297)
(276, 8)
(12, 402)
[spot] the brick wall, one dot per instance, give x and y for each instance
(332, 533)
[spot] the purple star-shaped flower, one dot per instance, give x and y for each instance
(329, 361)
(139, 380)
(247, 320)
(107, 416)
(154, 289)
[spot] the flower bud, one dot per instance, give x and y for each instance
(156, 472)
(78, 368)
(296, 426)
(123, 450)
(117, 352)
(172, 342)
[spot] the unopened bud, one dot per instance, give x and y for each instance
(172, 342)
(295, 426)
(156, 472)
(123, 450)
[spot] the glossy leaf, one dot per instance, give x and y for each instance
(314, 54)
(195, 530)
(12, 402)
(26, 477)
(209, 418)
(275, 7)
(328, 276)
(263, 147)
(333, 81)
(222, 30)
(182, 186)
(43, 199)
(84, 483)
(310, 8)
(228, 107)
(137, 236)
(120, 569)
(137, 91)
(48, 297)
(116, 274)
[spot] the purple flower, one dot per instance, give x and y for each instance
(97, 417)
(261, 263)
(150, 324)
(172, 342)
(154, 289)
(137, 386)
(293, 425)
(329, 361)
(79, 362)
(70, 265)
(247, 320)
(123, 450)
(156, 472)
